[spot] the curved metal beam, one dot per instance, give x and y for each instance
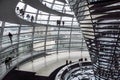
(63, 1)
(38, 5)
(8, 14)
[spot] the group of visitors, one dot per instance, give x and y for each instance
(81, 59)
(59, 23)
(21, 12)
(68, 62)
(8, 62)
(30, 18)
(10, 37)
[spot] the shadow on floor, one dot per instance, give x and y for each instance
(25, 75)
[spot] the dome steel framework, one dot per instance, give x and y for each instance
(99, 20)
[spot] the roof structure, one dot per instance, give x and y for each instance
(53, 30)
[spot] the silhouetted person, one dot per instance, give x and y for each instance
(22, 12)
(17, 8)
(32, 18)
(8, 61)
(58, 22)
(85, 59)
(80, 60)
(28, 16)
(66, 62)
(10, 36)
(63, 23)
(70, 62)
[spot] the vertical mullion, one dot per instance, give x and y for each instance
(70, 36)
(45, 39)
(36, 15)
(18, 39)
(45, 43)
(32, 41)
(47, 30)
(59, 34)
(1, 33)
(58, 41)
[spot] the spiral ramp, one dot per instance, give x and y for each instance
(100, 24)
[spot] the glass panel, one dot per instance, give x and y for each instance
(52, 22)
(40, 34)
(54, 17)
(42, 22)
(66, 19)
(58, 2)
(57, 7)
(21, 5)
(67, 8)
(26, 29)
(31, 9)
(40, 28)
(42, 17)
(41, 12)
(10, 24)
(0, 23)
(26, 37)
(50, 1)
(11, 30)
(38, 46)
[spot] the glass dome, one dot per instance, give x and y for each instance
(38, 27)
